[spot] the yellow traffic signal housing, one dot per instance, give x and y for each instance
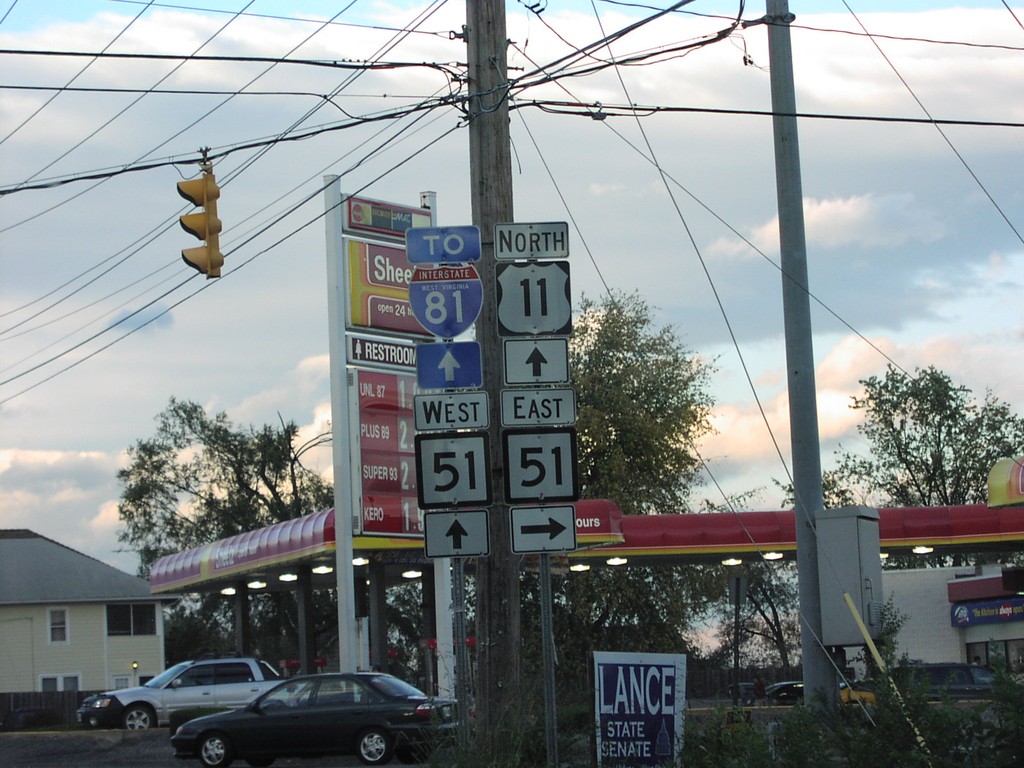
(204, 224)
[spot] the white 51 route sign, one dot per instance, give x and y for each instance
(453, 469)
(540, 465)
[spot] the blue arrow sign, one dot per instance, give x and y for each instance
(449, 365)
(446, 299)
(442, 245)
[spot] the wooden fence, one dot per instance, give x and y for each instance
(64, 703)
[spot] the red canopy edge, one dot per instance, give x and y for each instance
(602, 531)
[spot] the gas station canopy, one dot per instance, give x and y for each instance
(273, 553)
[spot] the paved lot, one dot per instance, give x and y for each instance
(113, 749)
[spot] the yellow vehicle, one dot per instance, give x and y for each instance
(856, 691)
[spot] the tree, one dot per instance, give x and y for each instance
(932, 442)
(769, 625)
(200, 479)
(642, 405)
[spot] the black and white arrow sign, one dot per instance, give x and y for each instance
(536, 361)
(543, 529)
(456, 534)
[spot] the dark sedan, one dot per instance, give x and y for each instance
(370, 715)
(785, 693)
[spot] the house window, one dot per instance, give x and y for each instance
(126, 619)
(53, 683)
(58, 618)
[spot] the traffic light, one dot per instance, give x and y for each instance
(204, 224)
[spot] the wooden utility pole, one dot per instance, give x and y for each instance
(490, 165)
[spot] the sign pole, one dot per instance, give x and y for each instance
(548, 646)
(796, 311)
(461, 654)
(340, 431)
(490, 162)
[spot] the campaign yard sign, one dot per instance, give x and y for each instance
(639, 705)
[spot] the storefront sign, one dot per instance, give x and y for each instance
(977, 612)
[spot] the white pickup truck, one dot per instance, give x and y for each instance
(210, 683)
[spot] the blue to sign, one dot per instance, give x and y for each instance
(446, 299)
(442, 245)
(449, 365)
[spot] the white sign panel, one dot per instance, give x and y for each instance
(543, 529)
(451, 410)
(534, 299)
(536, 361)
(539, 240)
(540, 466)
(453, 470)
(462, 533)
(538, 407)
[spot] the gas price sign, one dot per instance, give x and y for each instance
(386, 454)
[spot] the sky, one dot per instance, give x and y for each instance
(915, 253)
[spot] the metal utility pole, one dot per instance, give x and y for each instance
(490, 163)
(803, 413)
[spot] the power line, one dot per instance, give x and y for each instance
(594, 111)
(206, 285)
(130, 104)
(276, 17)
(78, 74)
(938, 128)
(422, 16)
(450, 69)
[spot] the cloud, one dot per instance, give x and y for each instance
(902, 245)
(865, 221)
(149, 318)
(67, 496)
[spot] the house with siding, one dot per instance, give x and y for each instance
(70, 622)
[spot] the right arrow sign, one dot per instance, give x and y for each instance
(543, 529)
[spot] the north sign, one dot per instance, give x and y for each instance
(442, 245)
(446, 299)
(543, 529)
(449, 365)
(463, 533)
(538, 240)
(534, 299)
(451, 410)
(536, 361)
(453, 469)
(538, 407)
(540, 466)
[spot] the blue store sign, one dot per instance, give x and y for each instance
(977, 612)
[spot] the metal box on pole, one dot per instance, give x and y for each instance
(849, 562)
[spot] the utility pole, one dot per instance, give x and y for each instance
(803, 412)
(490, 164)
